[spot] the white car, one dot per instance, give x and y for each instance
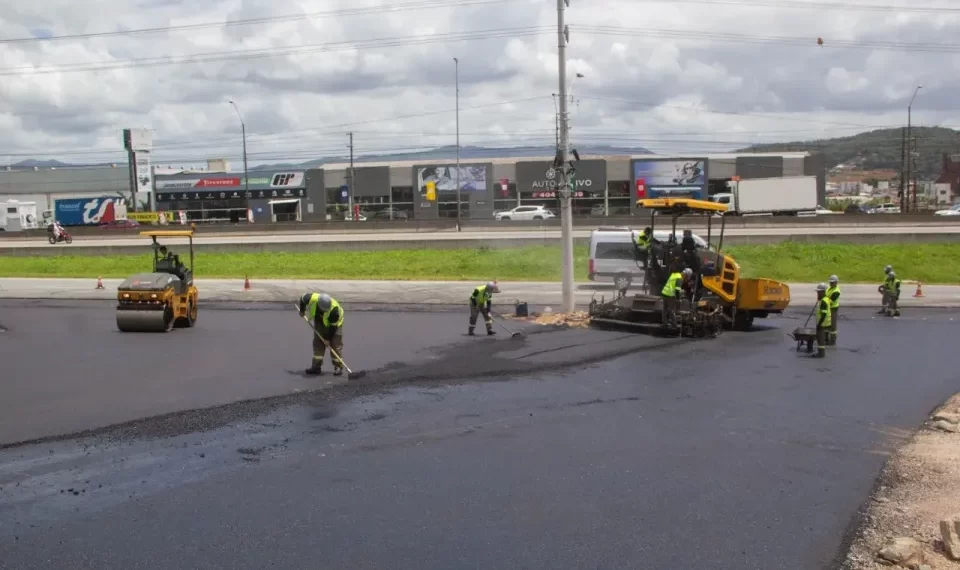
(612, 258)
(821, 211)
(525, 213)
(888, 208)
(952, 211)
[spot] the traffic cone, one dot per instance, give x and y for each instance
(919, 291)
(99, 282)
(246, 283)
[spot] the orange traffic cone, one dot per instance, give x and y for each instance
(246, 283)
(99, 282)
(919, 291)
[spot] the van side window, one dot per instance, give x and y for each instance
(622, 251)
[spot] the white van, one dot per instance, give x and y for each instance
(612, 257)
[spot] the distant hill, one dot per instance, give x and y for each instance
(445, 154)
(877, 150)
(467, 154)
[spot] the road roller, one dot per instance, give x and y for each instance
(163, 299)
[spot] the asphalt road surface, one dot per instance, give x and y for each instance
(735, 452)
(285, 238)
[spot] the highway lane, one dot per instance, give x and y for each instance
(747, 456)
(480, 236)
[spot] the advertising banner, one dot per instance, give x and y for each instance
(445, 178)
(89, 211)
(144, 173)
(541, 180)
(227, 186)
(670, 178)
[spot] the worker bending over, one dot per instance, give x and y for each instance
(823, 320)
(891, 292)
(326, 316)
(833, 294)
(671, 293)
(481, 302)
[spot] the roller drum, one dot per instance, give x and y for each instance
(145, 321)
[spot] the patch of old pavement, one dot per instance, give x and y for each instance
(76, 376)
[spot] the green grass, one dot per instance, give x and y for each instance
(793, 262)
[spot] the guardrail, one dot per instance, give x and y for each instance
(415, 226)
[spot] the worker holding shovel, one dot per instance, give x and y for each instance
(325, 315)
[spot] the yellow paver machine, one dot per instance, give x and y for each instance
(718, 297)
(163, 299)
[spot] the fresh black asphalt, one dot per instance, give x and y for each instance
(729, 453)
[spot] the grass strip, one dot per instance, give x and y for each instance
(788, 261)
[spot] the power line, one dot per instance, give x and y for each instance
(275, 52)
(845, 6)
(781, 40)
(264, 20)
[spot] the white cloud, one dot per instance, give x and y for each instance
(677, 77)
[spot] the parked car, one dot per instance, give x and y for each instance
(888, 208)
(120, 225)
(388, 214)
(951, 211)
(525, 213)
(855, 209)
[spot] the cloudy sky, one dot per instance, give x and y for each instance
(673, 76)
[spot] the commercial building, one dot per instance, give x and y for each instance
(606, 185)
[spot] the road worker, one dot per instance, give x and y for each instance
(671, 293)
(325, 315)
(481, 302)
(891, 290)
(833, 294)
(883, 291)
(823, 320)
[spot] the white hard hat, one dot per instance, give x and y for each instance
(888, 269)
(892, 274)
(834, 279)
(688, 272)
(324, 302)
(492, 286)
(822, 287)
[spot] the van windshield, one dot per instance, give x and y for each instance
(620, 251)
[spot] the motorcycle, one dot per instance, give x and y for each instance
(64, 237)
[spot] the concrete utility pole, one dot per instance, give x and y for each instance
(909, 106)
(243, 130)
(566, 210)
(903, 169)
(350, 183)
(913, 156)
(457, 79)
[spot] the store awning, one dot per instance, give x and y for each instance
(284, 201)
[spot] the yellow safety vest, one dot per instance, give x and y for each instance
(892, 285)
(823, 311)
(673, 283)
(483, 295)
(835, 304)
(643, 241)
(312, 310)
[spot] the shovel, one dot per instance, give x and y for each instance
(513, 334)
(351, 375)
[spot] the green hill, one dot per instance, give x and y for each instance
(880, 149)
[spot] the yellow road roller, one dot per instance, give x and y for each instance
(163, 299)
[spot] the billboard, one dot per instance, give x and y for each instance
(230, 186)
(670, 178)
(445, 178)
(539, 179)
(89, 211)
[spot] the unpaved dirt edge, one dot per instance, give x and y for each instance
(918, 486)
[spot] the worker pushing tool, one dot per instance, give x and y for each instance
(823, 320)
(833, 294)
(891, 294)
(481, 301)
(326, 316)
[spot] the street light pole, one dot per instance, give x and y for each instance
(243, 129)
(566, 211)
(456, 63)
(905, 199)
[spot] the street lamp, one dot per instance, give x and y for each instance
(243, 129)
(456, 63)
(909, 152)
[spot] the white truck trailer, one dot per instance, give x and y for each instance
(17, 216)
(787, 196)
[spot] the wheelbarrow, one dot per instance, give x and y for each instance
(804, 335)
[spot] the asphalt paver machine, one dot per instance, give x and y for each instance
(717, 296)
